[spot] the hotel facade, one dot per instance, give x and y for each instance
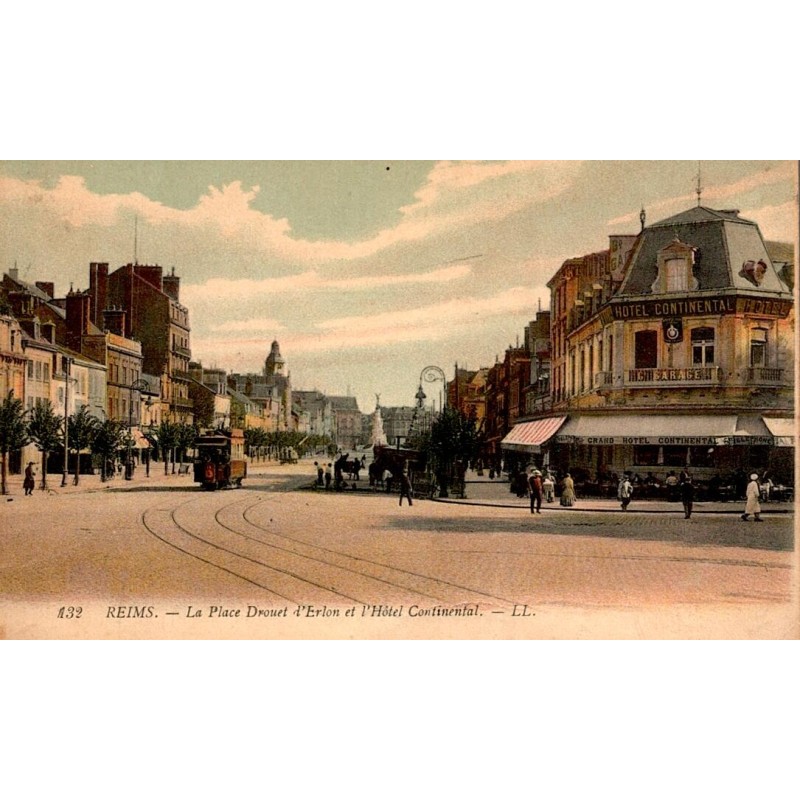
(671, 350)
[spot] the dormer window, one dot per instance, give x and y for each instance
(675, 264)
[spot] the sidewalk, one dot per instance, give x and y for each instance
(92, 483)
(481, 491)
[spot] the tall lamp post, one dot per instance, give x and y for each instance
(431, 374)
(67, 378)
(140, 386)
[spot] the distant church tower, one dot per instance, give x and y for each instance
(274, 363)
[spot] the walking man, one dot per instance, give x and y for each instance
(30, 480)
(535, 491)
(753, 494)
(687, 495)
(405, 486)
(624, 491)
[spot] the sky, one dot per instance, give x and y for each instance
(366, 272)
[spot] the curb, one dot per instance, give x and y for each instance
(634, 510)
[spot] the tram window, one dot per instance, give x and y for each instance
(646, 344)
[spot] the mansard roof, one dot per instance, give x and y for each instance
(724, 244)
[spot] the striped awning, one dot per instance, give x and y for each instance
(140, 441)
(782, 429)
(530, 436)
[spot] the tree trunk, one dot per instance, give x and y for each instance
(45, 453)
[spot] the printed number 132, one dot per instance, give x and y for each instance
(70, 612)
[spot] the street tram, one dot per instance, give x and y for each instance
(220, 461)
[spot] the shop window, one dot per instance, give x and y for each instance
(645, 455)
(646, 349)
(702, 346)
(701, 457)
(675, 456)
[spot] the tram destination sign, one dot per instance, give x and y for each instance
(697, 307)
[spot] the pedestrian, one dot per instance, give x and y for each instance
(672, 486)
(766, 487)
(320, 474)
(625, 491)
(548, 488)
(328, 476)
(29, 482)
(687, 495)
(535, 490)
(753, 494)
(405, 486)
(567, 491)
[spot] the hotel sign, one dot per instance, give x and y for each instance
(687, 307)
(666, 441)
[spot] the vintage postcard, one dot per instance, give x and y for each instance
(398, 400)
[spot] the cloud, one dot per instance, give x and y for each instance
(266, 326)
(431, 323)
(785, 172)
(776, 222)
(455, 196)
(228, 289)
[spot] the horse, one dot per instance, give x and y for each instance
(393, 460)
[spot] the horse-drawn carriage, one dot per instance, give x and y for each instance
(388, 464)
(220, 461)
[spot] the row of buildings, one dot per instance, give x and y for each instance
(672, 348)
(121, 349)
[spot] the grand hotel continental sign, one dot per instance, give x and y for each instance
(662, 309)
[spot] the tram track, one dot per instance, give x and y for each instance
(236, 539)
(444, 591)
(246, 568)
(296, 570)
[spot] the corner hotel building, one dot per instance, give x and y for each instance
(672, 349)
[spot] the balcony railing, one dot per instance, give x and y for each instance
(602, 379)
(765, 375)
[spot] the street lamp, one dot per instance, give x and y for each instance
(140, 386)
(67, 363)
(431, 374)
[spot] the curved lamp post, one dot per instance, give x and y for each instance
(140, 386)
(431, 374)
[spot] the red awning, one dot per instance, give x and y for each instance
(530, 436)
